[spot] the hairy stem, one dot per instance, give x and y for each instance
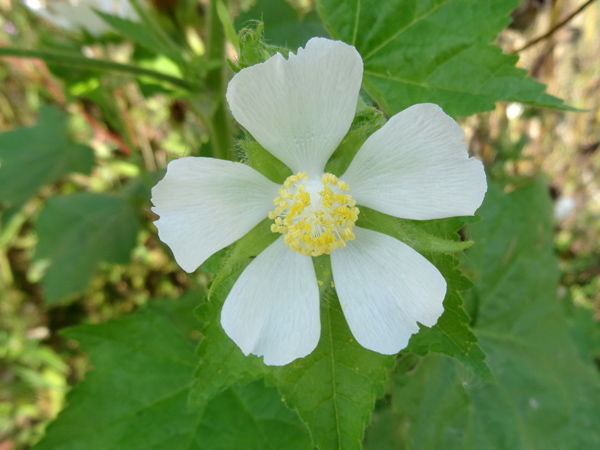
(220, 126)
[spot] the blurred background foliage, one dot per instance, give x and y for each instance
(120, 134)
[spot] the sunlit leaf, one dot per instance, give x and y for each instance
(434, 51)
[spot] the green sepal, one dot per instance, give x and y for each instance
(365, 123)
(264, 162)
(411, 232)
(243, 252)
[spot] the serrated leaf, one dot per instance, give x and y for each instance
(333, 389)
(434, 51)
(451, 334)
(546, 396)
(36, 156)
(78, 231)
(135, 398)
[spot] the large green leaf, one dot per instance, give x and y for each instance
(78, 231)
(546, 396)
(433, 51)
(136, 397)
(36, 156)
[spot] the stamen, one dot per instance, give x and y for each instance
(314, 225)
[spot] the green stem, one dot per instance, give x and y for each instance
(92, 63)
(220, 126)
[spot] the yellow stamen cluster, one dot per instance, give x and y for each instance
(313, 226)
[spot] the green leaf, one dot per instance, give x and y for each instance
(434, 51)
(222, 363)
(546, 395)
(451, 334)
(34, 157)
(135, 398)
(78, 231)
(333, 389)
(284, 27)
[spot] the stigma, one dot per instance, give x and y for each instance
(315, 217)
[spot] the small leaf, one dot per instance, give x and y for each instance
(78, 231)
(40, 155)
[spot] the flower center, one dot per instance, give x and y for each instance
(315, 217)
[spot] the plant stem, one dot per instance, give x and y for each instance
(555, 28)
(92, 63)
(220, 126)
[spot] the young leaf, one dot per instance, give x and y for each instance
(434, 51)
(78, 231)
(546, 394)
(136, 397)
(36, 156)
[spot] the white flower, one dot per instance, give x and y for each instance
(416, 167)
(77, 14)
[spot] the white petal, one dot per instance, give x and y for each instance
(417, 167)
(300, 109)
(205, 204)
(273, 308)
(385, 288)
